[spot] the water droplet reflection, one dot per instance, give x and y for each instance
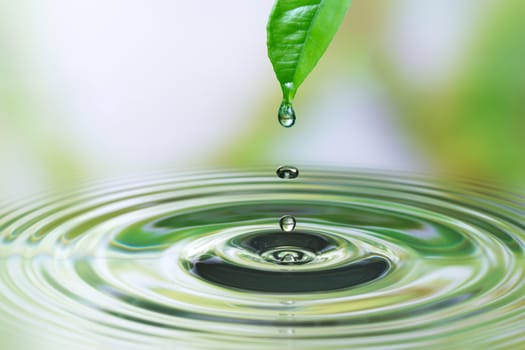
(287, 223)
(286, 115)
(287, 172)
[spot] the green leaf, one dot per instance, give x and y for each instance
(299, 31)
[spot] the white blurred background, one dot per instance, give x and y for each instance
(96, 89)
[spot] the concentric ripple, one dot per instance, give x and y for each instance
(376, 261)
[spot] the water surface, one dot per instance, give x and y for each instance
(200, 261)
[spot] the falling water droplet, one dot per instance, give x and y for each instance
(286, 114)
(287, 223)
(287, 172)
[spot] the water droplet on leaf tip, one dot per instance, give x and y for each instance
(287, 172)
(286, 115)
(287, 223)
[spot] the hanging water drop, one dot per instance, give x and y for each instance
(287, 172)
(286, 114)
(287, 223)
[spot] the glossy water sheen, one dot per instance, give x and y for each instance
(286, 115)
(287, 172)
(199, 262)
(287, 223)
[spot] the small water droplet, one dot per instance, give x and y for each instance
(287, 223)
(287, 172)
(286, 115)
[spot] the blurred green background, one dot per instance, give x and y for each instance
(97, 89)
